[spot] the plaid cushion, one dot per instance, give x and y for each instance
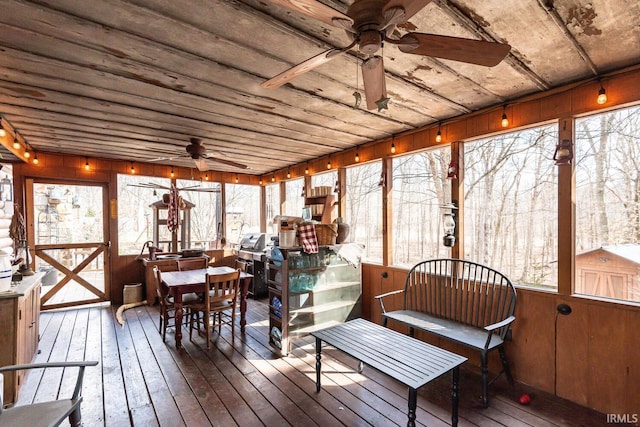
(308, 238)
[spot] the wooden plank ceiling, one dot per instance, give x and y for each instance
(136, 79)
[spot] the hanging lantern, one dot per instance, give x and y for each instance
(452, 171)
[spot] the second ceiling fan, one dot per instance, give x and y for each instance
(370, 23)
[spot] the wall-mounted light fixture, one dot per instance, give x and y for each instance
(35, 158)
(505, 121)
(439, 134)
(6, 189)
(273, 178)
(449, 224)
(357, 158)
(16, 143)
(172, 173)
(133, 170)
(564, 152)
(602, 94)
(288, 173)
(382, 182)
(86, 163)
(236, 178)
(206, 176)
(306, 169)
(260, 182)
(393, 147)
(329, 163)
(27, 153)
(336, 188)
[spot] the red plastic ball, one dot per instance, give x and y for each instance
(525, 399)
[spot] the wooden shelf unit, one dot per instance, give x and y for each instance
(315, 290)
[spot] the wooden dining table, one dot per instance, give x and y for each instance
(184, 282)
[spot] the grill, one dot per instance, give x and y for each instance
(252, 249)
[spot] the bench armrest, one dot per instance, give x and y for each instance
(81, 365)
(47, 365)
(380, 297)
(500, 324)
(495, 326)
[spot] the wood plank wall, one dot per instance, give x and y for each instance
(597, 353)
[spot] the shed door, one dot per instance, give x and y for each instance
(68, 228)
(604, 284)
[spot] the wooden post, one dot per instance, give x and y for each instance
(566, 214)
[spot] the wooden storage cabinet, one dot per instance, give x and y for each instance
(315, 291)
(19, 317)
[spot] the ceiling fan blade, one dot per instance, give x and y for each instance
(397, 11)
(477, 52)
(226, 162)
(319, 11)
(201, 164)
(304, 67)
(149, 185)
(159, 159)
(375, 87)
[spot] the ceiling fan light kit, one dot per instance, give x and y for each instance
(372, 22)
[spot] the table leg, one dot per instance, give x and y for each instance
(318, 364)
(454, 396)
(243, 303)
(177, 301)
(413, 403)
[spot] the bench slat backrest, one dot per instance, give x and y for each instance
(463, 291)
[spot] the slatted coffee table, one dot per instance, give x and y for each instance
(412, 362)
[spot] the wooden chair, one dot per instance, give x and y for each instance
(51, 413)
(241, 265)
(167, 307)
(192, 263)
(221, 298)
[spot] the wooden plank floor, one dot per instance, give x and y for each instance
(141, 381)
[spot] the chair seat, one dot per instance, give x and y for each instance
(218, 305)
(186, 298)
(43, 414)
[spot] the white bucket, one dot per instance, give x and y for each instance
(5, 272)
(287, 238)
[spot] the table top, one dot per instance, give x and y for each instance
(194, 277)
(408, 360)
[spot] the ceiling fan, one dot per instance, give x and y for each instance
(194, 187)
(370, 23)
(197, 151)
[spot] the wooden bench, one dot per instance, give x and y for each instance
(461, 301)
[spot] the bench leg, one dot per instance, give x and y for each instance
(485, 372)
(505, 364)
(75, 418)
(318, 364)
(454, 396)
(413, 403)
